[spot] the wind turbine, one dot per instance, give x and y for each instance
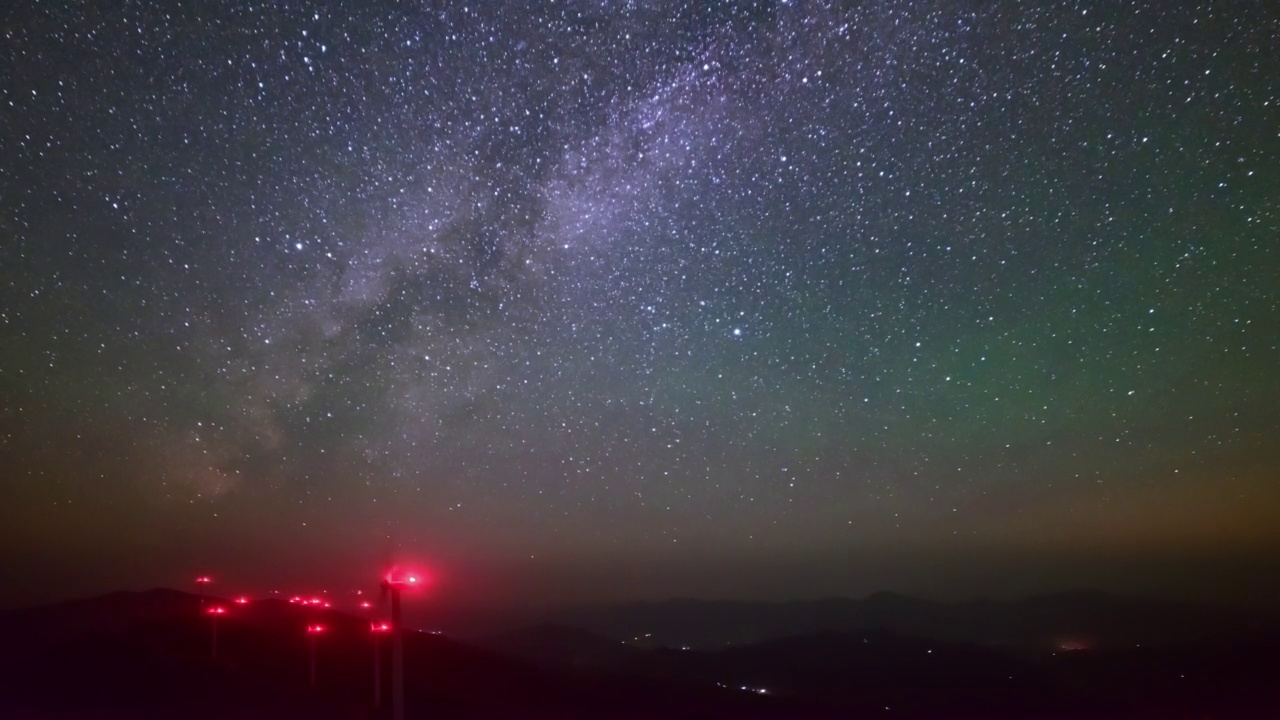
(393, 583)
(314, 631)
(377, 629)
(214, 612)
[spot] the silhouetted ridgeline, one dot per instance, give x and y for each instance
(131, 655)
(1038, 623)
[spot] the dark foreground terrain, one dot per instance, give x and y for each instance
(130, 655)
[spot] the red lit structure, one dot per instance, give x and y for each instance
(202, 584)
(314, 631)
(214, 612)
(395, 581)
(376, 630)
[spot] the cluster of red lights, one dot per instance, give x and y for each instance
(393, 579)
(240, 600)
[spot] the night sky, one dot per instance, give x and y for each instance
(587, 300)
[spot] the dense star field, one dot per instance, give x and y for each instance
(633, 299)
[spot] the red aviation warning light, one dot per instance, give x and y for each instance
(398, 578)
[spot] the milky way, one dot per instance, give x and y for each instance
(635, 285)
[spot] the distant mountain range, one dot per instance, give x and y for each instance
(150, 654)
(1042, 623)
(131, 655)
(821, 665)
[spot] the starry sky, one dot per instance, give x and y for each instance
(628, 299)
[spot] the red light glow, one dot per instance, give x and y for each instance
(401, 578)
(242, 600)
(216, 610)
(380, 627)
(204, 579)
(315, 629)
(365, 605)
